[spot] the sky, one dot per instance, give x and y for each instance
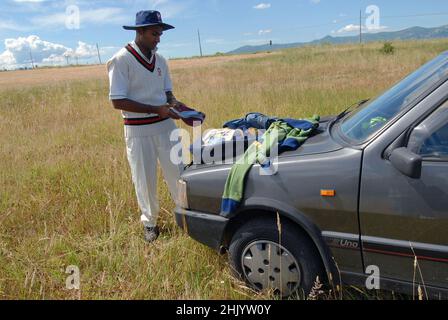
(57, 32)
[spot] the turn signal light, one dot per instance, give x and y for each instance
(327, 193)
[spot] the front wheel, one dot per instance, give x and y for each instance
(284, 261)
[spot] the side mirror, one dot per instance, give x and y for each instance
(407, 162)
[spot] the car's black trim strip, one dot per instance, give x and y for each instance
(407, 255)
(422, 251)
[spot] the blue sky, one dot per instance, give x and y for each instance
(224, 24)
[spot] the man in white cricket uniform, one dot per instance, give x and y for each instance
(140, 86)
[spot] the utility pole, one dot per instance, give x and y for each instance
(98, 50)
(32, 60)
(200, 46)
(360, 26)
(66, 57)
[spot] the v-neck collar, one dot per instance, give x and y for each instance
(141, 59)
(136, 48)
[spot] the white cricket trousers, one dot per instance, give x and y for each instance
(145, 145)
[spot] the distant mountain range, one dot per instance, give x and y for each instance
(414, 33)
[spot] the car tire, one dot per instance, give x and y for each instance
(286, 267)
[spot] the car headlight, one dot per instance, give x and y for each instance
(182, 200)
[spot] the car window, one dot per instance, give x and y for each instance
(436, 146)
(430, 138)
(363, 123)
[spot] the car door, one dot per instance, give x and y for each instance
(404, 220)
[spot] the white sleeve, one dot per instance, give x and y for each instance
(118, 78)
(168, 83)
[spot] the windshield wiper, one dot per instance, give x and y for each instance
(349, 109)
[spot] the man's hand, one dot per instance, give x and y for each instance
(177, 104)
(165, 112)
(172, 101)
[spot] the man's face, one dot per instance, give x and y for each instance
(151, 36)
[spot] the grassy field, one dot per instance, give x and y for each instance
(66, 195)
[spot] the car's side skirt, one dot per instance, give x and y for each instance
(359, 280)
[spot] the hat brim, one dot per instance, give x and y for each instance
(163, 25)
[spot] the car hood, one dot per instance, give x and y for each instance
(320, 142)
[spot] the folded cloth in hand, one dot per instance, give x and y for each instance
(188, 115)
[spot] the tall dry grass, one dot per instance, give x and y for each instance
(66, 195)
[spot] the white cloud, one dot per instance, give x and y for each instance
(34, 1)
(22, 48)
(94, 16)
(373, 29)
(102, 16)
(171, 10)
(10, 25)
(156, 3)
(263, 32)
(168, 8)
(355, 28)
(49, 20)
(19, 51)
(6, 59)
(54, 59)
(262, 6)
(83, 51)
(349, 28)
(315, 1)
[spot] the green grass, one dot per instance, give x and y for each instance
(66, 194)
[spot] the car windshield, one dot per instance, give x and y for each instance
(364, 122)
